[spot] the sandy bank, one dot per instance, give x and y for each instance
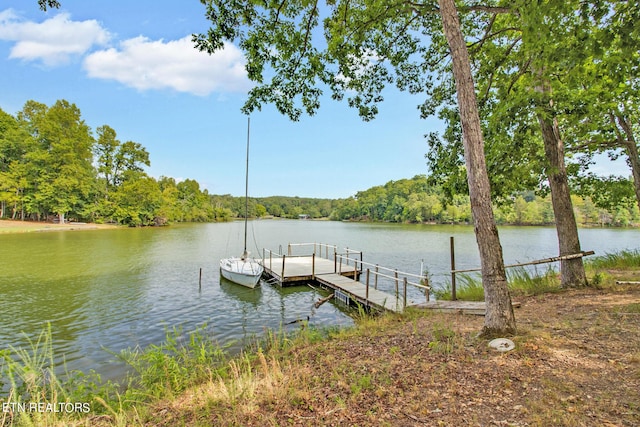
(11, 226)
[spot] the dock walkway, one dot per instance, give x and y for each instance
(359, 292)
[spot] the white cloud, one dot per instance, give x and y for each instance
(147, 64)
(53, 41)
(139, 62)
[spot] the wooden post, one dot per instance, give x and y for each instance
(335, 262)
(397, 284)
(375, 285)
(355, 269)
(282, 277)
(200, 279)
(289, 249)
(426, 283)
(404, 294)
(453, 268)
(313, 264)
(367, 289)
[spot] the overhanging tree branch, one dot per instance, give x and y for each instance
(44, 4)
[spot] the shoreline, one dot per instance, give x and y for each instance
(10, 226)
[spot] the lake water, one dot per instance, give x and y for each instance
(107, 290)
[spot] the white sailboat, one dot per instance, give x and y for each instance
(243, 270)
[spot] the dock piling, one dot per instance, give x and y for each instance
(367, 284)
(453, 269)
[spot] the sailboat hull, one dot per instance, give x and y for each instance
(245, 272)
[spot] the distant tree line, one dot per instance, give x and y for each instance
(53, 167)
(416, 201)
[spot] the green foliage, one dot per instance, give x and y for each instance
(568, 62)
(297, 49)
(608, 192)
(44, 4)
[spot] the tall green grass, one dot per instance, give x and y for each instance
(521, 282)
(622, 260)
(526, 282)
(37, 395)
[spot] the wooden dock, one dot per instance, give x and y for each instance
(305, 269)
(341, 274)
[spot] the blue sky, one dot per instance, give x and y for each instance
(131, 65)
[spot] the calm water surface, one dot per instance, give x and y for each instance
(107, 290)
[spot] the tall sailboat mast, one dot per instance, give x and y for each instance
(246, 192)
(244, 271)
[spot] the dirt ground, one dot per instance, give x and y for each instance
(576, 363)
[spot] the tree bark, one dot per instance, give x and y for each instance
(631, 147)
(499, 318)
(572, 271)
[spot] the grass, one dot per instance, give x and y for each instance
(622, 260)
(522, 282)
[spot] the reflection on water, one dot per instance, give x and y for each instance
(114, 289)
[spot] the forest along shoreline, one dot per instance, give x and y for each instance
(16, 226)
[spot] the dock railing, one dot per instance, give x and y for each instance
(268, 257)
(318, 249)
(375, 272)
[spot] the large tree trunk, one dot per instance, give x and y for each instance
(631, 147)
(499, 318)
(572, 271)
(634, 162)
